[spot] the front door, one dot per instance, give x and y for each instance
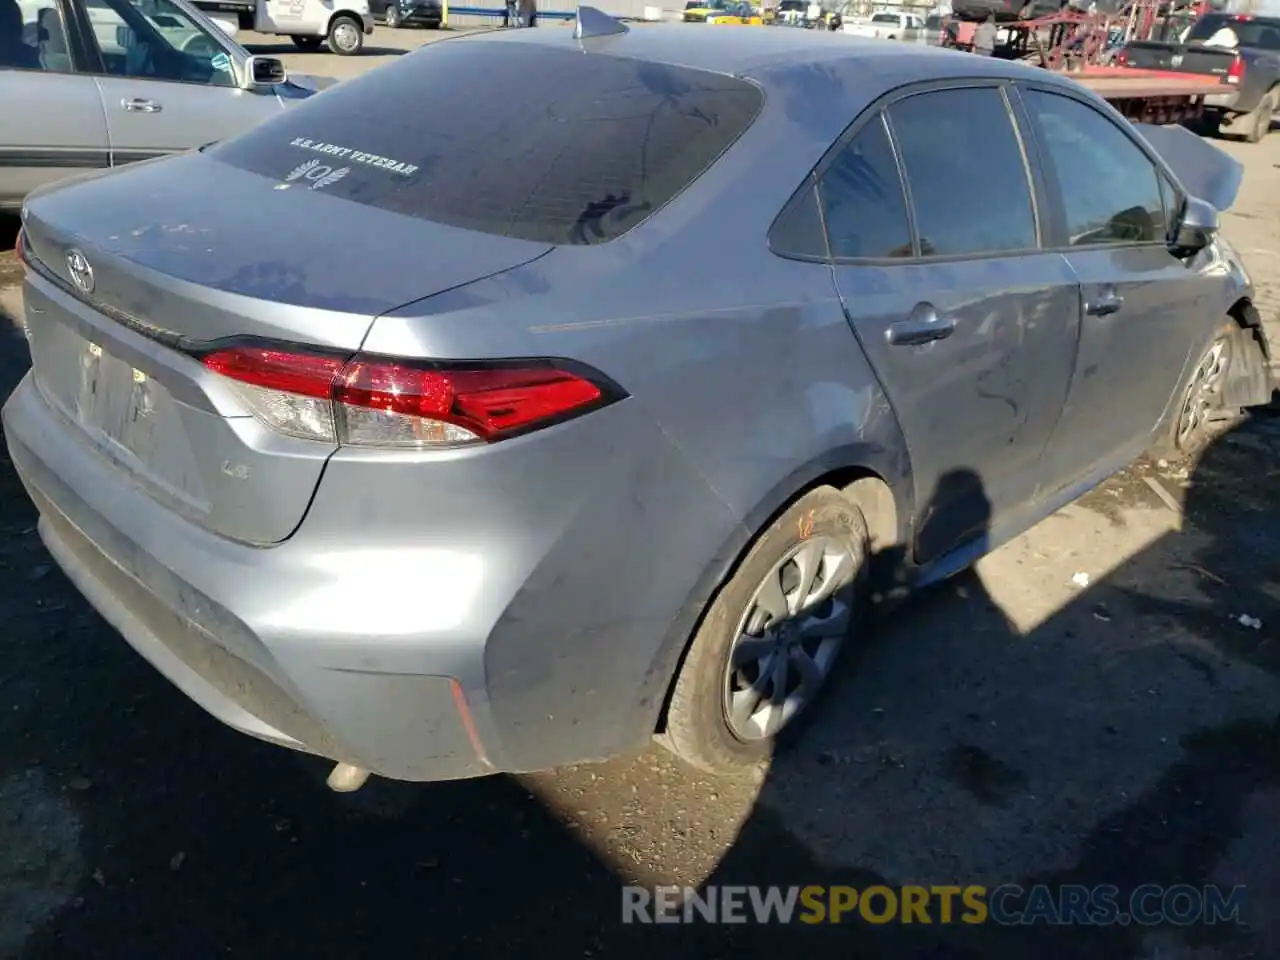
(168, 82)
(970, 327)
(1143, 311)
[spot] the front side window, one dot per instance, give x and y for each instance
(32, 37)
(525, 141)
(862, 199)
(965, 171)
(1110, 189)
(157, 40)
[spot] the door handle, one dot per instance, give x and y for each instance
(923, 326)
(137, 105)
(1107, 303)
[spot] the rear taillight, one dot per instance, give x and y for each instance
(1235, 72)
(380, 402)
(1122, 58)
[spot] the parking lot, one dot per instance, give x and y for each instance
(1098, 703)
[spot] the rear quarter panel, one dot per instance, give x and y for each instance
(745, 384)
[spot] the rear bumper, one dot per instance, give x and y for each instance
(507, 619)
(242, 672)
(1222, 101)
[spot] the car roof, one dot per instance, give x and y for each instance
(773, 54)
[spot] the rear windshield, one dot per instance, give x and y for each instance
(885, 18)
(540, 143)
(1249, 32)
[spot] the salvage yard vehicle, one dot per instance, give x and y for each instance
(1243, 49)
(342, 24)
(631, 452)
(89, 84)
(410, 13)
(735, 14)
(887, 26)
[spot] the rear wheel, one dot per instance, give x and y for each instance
(769, 641)
(1260, 119)
(392, 16)
(306, 43)
(346, 36)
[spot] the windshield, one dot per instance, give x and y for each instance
(521, 140)
(1248, 31)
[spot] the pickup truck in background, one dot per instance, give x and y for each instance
(887, 26)
(1243, 49)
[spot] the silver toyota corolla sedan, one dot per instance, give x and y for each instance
(678, 346)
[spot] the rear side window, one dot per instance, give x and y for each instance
(965, 171)
(862, 199)
(520, 140)
(1246, 31)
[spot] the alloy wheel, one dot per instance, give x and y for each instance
(346, 36)
(1202, 393)
(788, 637)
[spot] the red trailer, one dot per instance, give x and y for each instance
(1083, 45)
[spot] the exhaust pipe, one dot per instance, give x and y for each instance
(347, 778)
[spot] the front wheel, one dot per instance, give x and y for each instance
(306, 43)
(346, 36)
(1199, 418)
(770, 639)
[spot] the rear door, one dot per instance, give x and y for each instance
(1144, 310)
(168, 82)
(970, 325)
(51, 119)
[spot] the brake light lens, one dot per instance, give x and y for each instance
(1235, 72)
(381, 402)
(1122, 58)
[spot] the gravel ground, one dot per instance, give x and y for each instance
(1009, 726)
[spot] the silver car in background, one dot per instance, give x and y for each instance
(92, 84)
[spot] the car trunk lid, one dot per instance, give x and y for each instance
(137, 271)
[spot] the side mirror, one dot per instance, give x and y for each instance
(1196, 227)
(263, 72)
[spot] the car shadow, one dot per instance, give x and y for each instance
(1131, 737)
(1127, 736)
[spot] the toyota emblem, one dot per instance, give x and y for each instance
(80, 271)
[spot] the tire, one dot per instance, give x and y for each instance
(1208, 125)
(1189, 430)
(392, 17)
(1260, 119)
(307, 43)
(701, 728)
(346, 36)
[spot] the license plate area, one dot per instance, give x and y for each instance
(125, 412)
